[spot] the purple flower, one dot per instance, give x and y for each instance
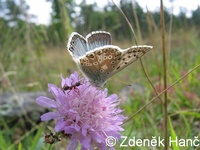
(84, 112)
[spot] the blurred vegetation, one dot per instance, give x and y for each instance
(33, 55)
(67, 16)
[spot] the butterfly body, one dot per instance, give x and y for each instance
(98, 59)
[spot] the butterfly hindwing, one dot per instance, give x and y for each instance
(100, 63)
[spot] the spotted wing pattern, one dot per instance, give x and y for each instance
(98, 59)
(104, 62)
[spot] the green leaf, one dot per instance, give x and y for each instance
(36, 140)
(173, 136)
(194, 114)
(3, 144)
(20, 146)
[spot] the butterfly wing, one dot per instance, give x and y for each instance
(77, 45)
(130, 55)
(98, 39)
(97, 59)
(97, 65)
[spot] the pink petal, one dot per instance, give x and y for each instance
(49, 116)
(72, 145)
(70, 129)
(46, 102)
(74, 77)
(62, 81)
(85, 141)
(60, 125)
(97, 137)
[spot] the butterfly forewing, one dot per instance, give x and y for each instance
(130, 55)
(98, 39)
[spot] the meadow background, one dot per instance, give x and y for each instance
(33, 55)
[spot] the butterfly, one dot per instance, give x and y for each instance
(97, 59)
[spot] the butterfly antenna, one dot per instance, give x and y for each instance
(120, 82)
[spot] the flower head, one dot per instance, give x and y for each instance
(83, 112)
